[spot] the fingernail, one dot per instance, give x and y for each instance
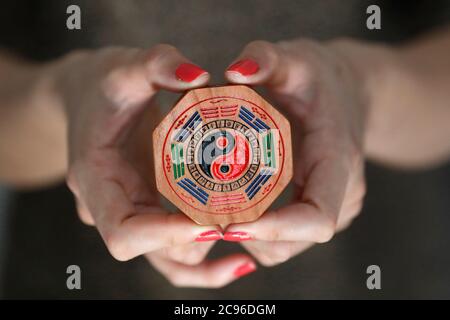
(209, 236)
(244, 269)
(236, 236)
(188, 72)
(245, 67)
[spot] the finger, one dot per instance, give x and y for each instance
(128, 233)
(265, 63)
(208, 274)
(273, 253)
(189, 254)
(313, 218)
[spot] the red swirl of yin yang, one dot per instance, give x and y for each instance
(236, 161)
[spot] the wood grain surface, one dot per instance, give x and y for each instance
(222, 155)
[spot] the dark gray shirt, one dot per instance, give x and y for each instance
(402, 228)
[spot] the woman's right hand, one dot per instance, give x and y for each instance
(107, 97)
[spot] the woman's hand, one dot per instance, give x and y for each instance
(324, 97)
(107, 96)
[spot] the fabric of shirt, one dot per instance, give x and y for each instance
(402, 229)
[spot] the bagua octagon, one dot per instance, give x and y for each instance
(222, 155)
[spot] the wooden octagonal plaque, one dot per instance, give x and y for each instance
(222, 154)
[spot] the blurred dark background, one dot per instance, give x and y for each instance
(403, 228)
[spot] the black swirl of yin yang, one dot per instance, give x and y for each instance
(214, 146)
(223, 155)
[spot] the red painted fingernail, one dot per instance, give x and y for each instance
(244, 269)
(188, 72)
(236, 236)
(209, 236)
(245, 67)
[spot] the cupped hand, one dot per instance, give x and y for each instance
(323, 94)
(107, 95)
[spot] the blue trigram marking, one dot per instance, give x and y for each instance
(188, 127)
(252, 120)
(259, 181)
(197, 192)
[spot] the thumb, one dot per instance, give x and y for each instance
(167, 68)
(137, 77)
(275, 66)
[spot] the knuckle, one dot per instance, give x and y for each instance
(356, 157)
(111, 81)
(269, 48)
(163, 47)
(268, 261)
(306, 43)
(214, 282)
(274, 231)
(306, 50)
(158, 51)
(258, 44)
(217, 284)
(117, 247)
(350, 211)
(176, 220)
(274, 234)
(356, 210)
(186, 257)
(177, 280)
(71, 181)
(173, 222)
(362, 190)
(171, 241)
(173, 280)
(85, 216)
(345, 224)
(359, 207)
(326, 230)
(280, 257)
(330, 149)
(193, 259)
(275, 255)
(357, 193)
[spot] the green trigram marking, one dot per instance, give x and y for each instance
(269, 151)
(177, 160)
